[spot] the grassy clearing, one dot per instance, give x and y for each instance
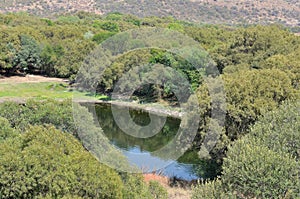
(42, 90)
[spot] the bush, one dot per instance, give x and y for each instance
(67, 119)
(157, 191)
(212, 189)
(279, 130)
(263, 164)
(100, 37)
(256, 171)
(33, 112)
(136, 188)
(5, 130)
(46, 162)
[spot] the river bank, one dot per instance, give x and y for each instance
(19, 89)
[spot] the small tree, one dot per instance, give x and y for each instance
(28, 57)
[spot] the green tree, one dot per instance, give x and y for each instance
(28, 58)
(264, 163)
(250, 93)
(212, 189)
(108, 26)
(100, 37)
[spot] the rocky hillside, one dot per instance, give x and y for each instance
(286, 12)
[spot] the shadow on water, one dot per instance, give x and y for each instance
(138, 150)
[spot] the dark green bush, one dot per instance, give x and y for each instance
(33, 112)
(100, 37)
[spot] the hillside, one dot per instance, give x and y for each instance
(286, 12)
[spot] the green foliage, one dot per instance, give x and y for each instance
(279, 130)
(136, 188)
(256, 171)
(46, 162)
(132, 19)
(57, 47)
(264, 163)
(28, 57)
(114, 16)
(66, 118)
(5, 130)
(259, 67)
(52, 112)
(57, 164)
(250, 93)
(108, 26)
(68, 19)
(48, 21)
(157, 191)
(212, 189)
(176, 26)
(288, 63)
(100, 37)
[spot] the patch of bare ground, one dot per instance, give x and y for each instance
(174, 192)
(30, 79)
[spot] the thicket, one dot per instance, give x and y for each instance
(263, 164)
(42, 156)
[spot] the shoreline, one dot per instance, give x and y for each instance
(150, 108)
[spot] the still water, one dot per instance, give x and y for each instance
(139, 151)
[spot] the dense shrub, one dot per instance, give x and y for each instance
(56, 164)
(33, 112)
(256, 171)
(100, 37)
(212, 189)
(135, 188)
(75, 120)
(264, 163)
(279, 130)
(157, 191)
(5, 130)
(47, 162)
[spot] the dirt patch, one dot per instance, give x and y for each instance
(30, 79)
(173, 192)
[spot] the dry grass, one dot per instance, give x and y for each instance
(173, 192)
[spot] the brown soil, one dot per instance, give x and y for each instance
(30, 79)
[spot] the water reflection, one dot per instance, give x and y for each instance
(139, 150)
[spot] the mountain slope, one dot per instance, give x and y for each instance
(209, 11)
